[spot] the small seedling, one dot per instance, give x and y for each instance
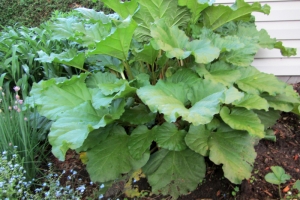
(235, 190)
(277, 177)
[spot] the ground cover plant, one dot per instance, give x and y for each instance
(167, 83)
(31, 13)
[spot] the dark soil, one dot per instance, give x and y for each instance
(285, 152)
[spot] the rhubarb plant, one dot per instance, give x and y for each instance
(164, 84)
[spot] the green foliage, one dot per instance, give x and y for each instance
(25, 130)
(277, 177)
(165, 85)
(32, 13)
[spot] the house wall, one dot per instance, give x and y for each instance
(283, 23)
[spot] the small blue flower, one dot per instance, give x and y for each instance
(101, 186)
(100, 196)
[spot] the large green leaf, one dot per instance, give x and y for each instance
(117, 44)
(205, 88)
(219, 72)
(184, 75)
(195, 7)
(263, 38)
(227, 43)
(56, 96)
(197, 139)
(83, 32)
(139, 114)
(72, 128)
(93, 15)
(96, 80)
(233, 149)
(124, 9)
(70, 57)
(216, 16)
(148, 54)
(167, 98)
(252, 101)
(243, 56)
(176, 44)
(152, 10)
(108, 92)
(140, 141)
(106, 61)
(174, 172)
(281, 102)
(253, 81)
(169, 137)
(111, 158)
(269, 118)
(243, 119)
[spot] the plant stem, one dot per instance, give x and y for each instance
(128, 70)
(123, 76)
(181, 62)
(279, 191)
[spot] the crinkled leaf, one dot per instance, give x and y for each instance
(285, 51)
(219, 72)
(152, 10)
(106, 61)
(71, 129)
(169, 137)
(184, 75)
(170, 39)
(227, 43)
(204, 88)
(140, 141)
(111, 158)
(216, 16)
(70, 57)
(231, 95)
(197, 139)
(268, 118)
(167, 98)
(98, 135)
(124, 9)
(195, 7)
(233, 149)
(176, 44)
(278, 176)
(243, 119)
(243, 56)
(117, 44)
(93, 15)
(63, 28)
(263, 38)
(252, 101)
(97, 79)
(137, 115)
(148, 54)
(103, 97)
(56, 96)
(174, 172)
(281, 102)
(253, 81)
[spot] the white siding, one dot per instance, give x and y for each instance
(283, 23)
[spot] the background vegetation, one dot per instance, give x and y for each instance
(31, 13)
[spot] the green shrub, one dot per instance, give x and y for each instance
(168, 82)
(32, 13)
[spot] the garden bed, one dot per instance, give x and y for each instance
(284, 152)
